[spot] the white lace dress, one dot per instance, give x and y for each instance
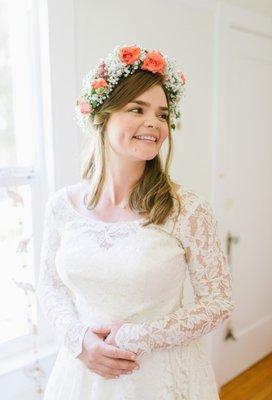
(94, 272)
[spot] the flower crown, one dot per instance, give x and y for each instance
(124, 60)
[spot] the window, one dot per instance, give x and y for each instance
(20, 127)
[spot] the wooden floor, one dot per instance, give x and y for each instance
(253, 384)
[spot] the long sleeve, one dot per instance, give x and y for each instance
(54, 297)
(212, 283)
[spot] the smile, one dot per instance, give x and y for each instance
(146, 138)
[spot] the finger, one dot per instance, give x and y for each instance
(118, 364)
(109, 339)
(114, 352)
(109, 371)
(105, 371)
(102, 336)
(101, 328)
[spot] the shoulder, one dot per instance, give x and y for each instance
(190, 198)
(75, 192)
(56, 199)
(196, 215)
(193, 205)
(63, 198)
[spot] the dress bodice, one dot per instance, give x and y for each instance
(94, 271)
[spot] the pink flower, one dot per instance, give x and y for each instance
(101, 69)
(85, 107)
(99, 83)
(182, 77)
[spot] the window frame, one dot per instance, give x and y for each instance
(51, 31)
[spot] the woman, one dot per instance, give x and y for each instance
(117, 246)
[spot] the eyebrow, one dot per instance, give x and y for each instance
(143, 103)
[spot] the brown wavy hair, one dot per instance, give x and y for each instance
(154, 193)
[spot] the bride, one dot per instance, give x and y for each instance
(117, 247)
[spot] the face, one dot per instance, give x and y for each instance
(127, 127)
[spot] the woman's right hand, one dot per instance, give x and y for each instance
(104, 359)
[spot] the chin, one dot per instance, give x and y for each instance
(147, 156)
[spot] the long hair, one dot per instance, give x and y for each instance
(154, 193)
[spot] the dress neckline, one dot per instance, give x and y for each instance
(95, 220)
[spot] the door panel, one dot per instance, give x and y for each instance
(243, 194)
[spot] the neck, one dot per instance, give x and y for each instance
(119, 181)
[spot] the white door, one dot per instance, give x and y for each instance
(243, 187)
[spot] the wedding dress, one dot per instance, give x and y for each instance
(94, 271)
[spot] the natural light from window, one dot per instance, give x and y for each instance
(17, 152)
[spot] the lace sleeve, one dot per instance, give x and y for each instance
(53, 296)
(212, 282)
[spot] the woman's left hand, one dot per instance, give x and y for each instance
(113, 328)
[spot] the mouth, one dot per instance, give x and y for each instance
(146, 138)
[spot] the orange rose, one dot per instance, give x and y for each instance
(128, 55)
(99, 83)
(154, 62)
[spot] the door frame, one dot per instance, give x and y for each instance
(227, 19)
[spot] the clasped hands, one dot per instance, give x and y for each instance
(107, 331)
(101, 355)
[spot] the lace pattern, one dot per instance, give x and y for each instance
(54, 297)
(107, 236)
(210, 277)
(195, 231)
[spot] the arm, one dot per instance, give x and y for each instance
(212, 282)
(53, 296)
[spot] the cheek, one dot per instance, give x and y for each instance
(125, 128)
(130, 125)
(165, 133)
(121, 135)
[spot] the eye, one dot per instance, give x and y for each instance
(136, 108)
(164, 116)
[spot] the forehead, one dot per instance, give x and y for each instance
(154, 96)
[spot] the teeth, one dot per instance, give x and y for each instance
(146, 137)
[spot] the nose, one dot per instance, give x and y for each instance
(151, 125)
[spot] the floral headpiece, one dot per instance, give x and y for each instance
(125, 60)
